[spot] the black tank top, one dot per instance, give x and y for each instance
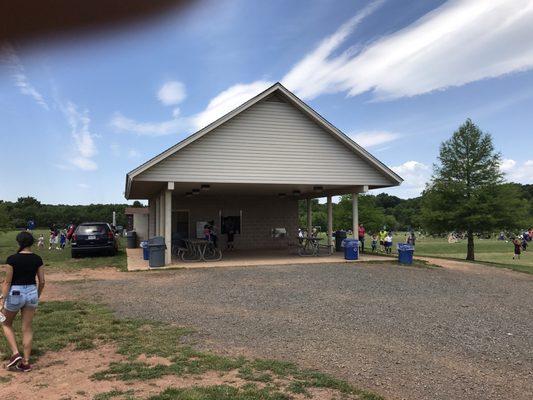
(25, 267)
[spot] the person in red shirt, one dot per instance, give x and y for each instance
(361, 234)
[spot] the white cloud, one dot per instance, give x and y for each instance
(459, 42)
(176, 112)
(227, 100)
(132, 153)
(83, 186)
(11, 59)
(84, 145)
(518, 172)
(125, 124)
(373, 138)
(415, 175)
(172, 92)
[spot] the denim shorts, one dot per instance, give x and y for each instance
(27, 297)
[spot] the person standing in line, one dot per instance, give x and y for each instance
(517, 249)
(382, 236)
(374, 243)
(361, 235)
(388, 243)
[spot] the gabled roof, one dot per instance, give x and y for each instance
(280, 90)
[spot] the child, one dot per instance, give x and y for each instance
(40, 243)
(62, 239)
(388, 243)
(374, 243)
(51, 240)
(517, 248)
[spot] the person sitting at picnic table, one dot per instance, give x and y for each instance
(207, 232)
(361, 234)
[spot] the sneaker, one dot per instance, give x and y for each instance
(24, 367)
(14, 360)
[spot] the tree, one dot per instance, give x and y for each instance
(465, 192)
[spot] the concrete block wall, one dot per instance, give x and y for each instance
(259, 216)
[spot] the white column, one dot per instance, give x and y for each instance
(168, 226)
(309, 218)
(355, 215)
(157, 215)
(162, 213)
(330, 222)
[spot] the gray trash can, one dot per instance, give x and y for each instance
(339, 237)
(157, 251)
(131, 239)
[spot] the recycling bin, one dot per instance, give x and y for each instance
(351, 249)
(405, 253)
(146, 250)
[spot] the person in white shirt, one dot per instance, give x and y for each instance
(388, 243)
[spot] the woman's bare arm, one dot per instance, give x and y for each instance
(7, 281)
(40, 277)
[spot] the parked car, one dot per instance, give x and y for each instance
(93, 237)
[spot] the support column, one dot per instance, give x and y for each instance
(355, 215)
(309, 218)
(168, 226)
(157, 215)
(162, 213)
(330, 222)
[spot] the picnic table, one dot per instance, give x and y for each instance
(199, 250)
(309, 246)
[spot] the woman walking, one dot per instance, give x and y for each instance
(21, 292)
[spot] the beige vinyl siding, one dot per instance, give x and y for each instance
(271, 142)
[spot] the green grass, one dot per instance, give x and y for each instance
(85, 325)
(61, 259)
(495, 252)
(492, 252)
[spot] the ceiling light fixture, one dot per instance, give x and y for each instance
(195, 191)
(205, 188)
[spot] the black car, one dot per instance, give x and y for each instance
(93, 237)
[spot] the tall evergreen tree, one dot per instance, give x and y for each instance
(465, 192)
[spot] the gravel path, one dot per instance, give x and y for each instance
(464, 332)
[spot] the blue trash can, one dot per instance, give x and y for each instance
(146, 250)
(405, 253)
(351, 249)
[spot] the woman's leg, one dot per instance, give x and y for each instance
(27, 331)
(8, 330)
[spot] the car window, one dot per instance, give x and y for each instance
(91, 229)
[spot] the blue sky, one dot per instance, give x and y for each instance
(398, 77)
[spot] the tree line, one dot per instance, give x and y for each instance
(17, 214)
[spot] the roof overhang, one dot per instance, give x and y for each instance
(306, 109)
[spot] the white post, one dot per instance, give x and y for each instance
(168, 226)
(309, 218)
(162, 213)
(330, 222)
(355, 215)
(114, 219)
(157, 200)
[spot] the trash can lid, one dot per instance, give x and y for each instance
(349, 242)
(131, 233)
(156, 241)
(405, 246)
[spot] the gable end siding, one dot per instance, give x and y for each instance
(271, 142)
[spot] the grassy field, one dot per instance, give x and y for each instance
(61, 259)
(496, 252)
